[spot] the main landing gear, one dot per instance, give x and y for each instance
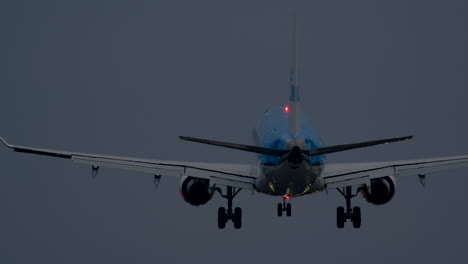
(225, 215)
(284, 207)
(352, 214)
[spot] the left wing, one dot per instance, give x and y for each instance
(349, 174)
(235, 175)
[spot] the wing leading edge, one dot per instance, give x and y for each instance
(235, 175)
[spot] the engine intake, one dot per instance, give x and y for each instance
(382, 191)
(195, 191)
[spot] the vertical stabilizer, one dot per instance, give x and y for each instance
(294, 97)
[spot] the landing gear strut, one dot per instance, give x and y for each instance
(352, 214)
(225, 215)
(284, 207)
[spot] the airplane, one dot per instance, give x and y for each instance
(291, 163)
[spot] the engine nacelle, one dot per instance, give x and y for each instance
(381, 191)
(195, 191)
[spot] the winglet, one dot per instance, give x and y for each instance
(38, 151)
(6, 143)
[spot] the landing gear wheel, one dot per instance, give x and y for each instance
(222, 218)
(353, 214)
(225, 215)
(237, 219)
(284, 207)
(288, 209)
(356, 217)
(340, 217)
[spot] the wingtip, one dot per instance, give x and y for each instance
(4, 142)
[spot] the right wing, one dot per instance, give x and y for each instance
(349, 174)
(235, 175)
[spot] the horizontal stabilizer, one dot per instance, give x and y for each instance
(310, 152)
(326, 150)
(254, 149)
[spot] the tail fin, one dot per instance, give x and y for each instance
(294, 97)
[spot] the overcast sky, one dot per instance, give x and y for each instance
(128, 77)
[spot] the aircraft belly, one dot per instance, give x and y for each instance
(290, 180)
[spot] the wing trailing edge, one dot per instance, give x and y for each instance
(37, 151)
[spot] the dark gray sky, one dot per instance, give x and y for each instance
(128, 77)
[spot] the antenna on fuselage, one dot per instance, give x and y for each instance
(294, 96)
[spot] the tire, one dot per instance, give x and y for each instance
(222, 218)
(237, 218)
(288, 209)
(340, 217)
(356, 217)
(280, 209)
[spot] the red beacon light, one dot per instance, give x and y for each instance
(286, 109)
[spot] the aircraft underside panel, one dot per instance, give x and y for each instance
(290, 180)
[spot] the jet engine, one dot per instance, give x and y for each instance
(195, 191)
(381, 191)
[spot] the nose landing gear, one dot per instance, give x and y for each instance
(284, 207)
(350, 214)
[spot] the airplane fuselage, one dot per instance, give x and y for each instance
(289, 180)
(287, 175)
